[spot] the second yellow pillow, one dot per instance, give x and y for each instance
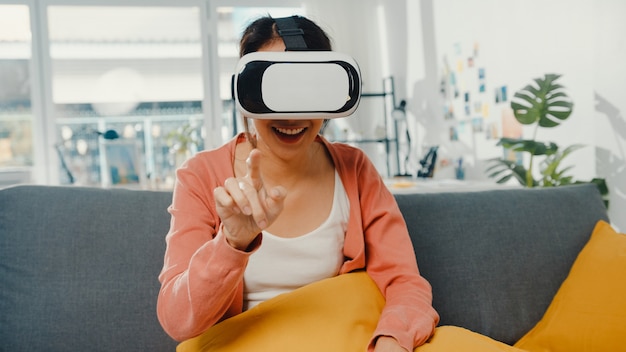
(588, 313)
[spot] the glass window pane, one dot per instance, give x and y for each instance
(134, 72)
(16, 119)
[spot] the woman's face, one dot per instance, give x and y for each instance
(287, 137)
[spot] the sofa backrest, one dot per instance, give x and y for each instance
(496, 258)
(79, 267)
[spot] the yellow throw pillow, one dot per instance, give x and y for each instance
(588, 313)
(336, 314)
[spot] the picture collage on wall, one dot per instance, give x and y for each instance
(473, 106)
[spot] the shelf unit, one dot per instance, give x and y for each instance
(390, 139)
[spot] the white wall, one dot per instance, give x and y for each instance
(517, 43)
(608, 119)
(584, 40)
(519, 40)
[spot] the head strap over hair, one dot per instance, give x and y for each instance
(292, 34)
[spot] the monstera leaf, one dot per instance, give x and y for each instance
(504, 170)
(543, 102)
(530, 146)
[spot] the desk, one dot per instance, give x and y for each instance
(400, 186)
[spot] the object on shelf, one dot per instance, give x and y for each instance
(398, 114)
(428, 163)
(459, 170)
(107, 135)
(383, 133)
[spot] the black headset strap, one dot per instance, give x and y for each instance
(292, 35)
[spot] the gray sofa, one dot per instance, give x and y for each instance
(79, 266)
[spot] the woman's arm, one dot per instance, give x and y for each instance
(215, 227)
(408, 315)
(202, 274)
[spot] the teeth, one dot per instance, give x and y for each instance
(290, 131)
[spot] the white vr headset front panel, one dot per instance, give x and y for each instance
(297, 85)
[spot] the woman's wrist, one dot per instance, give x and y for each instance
(244, 247)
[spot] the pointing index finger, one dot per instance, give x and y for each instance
(254, 168)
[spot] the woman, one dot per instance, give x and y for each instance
(282, 198)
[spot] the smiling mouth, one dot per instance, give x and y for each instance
(289, 132)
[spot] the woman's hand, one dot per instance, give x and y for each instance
(388, 344)
(245, 206)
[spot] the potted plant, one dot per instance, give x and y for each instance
(543, 103)
(183, 143)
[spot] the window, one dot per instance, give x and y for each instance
(80, 77)
(127, 73)
(16, 117)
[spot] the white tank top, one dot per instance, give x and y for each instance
(283, 264)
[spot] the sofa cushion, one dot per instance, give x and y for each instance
(496, 258)
(588, 312)
(79, 267)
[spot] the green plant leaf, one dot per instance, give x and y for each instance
(551, 175)
(544, 103)
(525, 114)
(529, 146)
(507, 168)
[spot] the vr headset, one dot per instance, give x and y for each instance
(296, 84)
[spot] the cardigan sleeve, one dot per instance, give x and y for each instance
(408, 315)
(202, 274)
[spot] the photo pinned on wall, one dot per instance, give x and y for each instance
(466, 99)
(463, 132)
(454, 134)
(454, 85)
(481, 80)
(492, 131)
(511, 128)
(449, 88)
(448, 111)
(443, 87)
(501, 95)
(452, 79)
(485, 110)
(477, 124)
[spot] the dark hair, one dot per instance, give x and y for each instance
(263, 31)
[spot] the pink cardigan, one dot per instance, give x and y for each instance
(202, 276)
